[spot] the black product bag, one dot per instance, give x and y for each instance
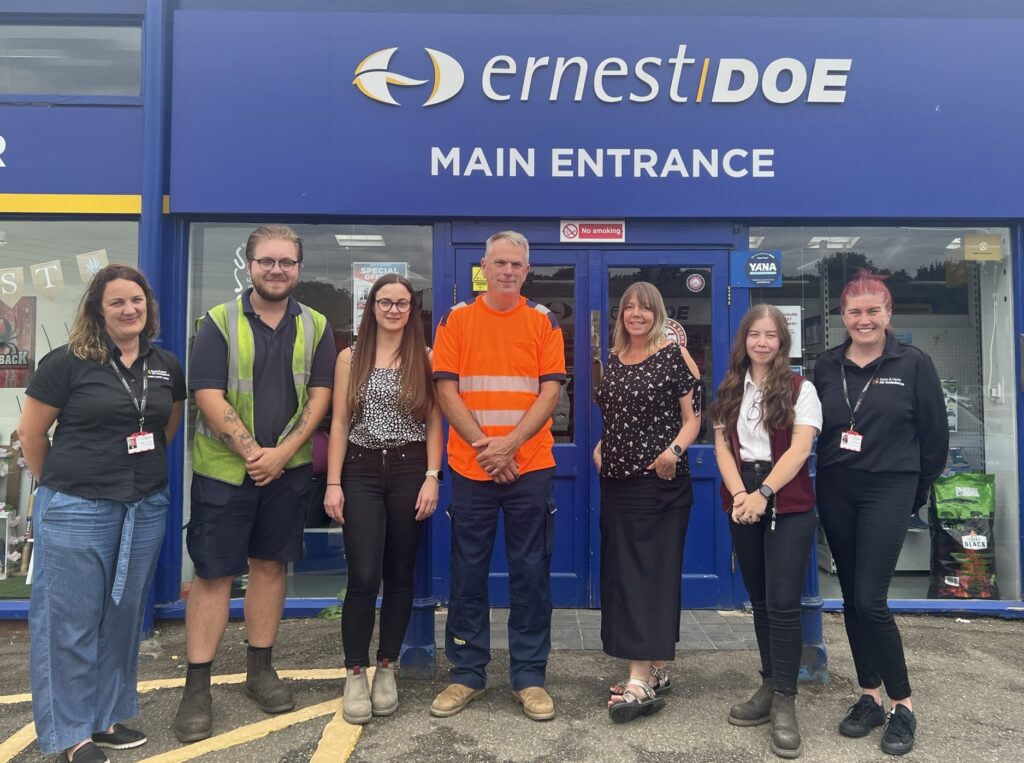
(963, 542)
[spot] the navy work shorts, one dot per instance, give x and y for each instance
(231, 523)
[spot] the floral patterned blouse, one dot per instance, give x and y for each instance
(640, 407)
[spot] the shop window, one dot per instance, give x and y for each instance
(952, 298)
(70, 59)
(44, 268)
(340, 263)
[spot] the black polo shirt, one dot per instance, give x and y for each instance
(89, 455)
(274, 395)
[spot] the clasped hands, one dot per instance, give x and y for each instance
(748, 508)
(496, 456)
(264, 465)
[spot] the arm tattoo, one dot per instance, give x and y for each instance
(301, 424)
(230, 417)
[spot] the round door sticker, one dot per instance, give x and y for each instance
(695, 282)
(674, 332)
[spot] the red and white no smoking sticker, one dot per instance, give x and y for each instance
(591, 231)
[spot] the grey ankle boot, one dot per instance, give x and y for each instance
(755, 710)
(384, 695)
(785, 730)
(355, 706)
(263, 685)
(194, 719)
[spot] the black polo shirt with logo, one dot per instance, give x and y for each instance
(274, 398)
(89, 455)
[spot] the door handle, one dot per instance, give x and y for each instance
(597, 370)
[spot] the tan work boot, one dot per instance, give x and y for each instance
(537, 703)
(384, 695)
(454, 699)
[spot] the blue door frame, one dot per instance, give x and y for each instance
(708, 579)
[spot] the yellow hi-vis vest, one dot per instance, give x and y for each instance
(212, 458)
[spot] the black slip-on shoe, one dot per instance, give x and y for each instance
(121, 738)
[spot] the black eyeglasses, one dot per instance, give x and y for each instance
(401, 305)
(267, 264)
(756, 404)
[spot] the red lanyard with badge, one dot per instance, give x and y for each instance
(141, 441)
(852, 439)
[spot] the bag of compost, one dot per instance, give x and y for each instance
(963, 545)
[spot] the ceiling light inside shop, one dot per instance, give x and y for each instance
(359, 239)
(833, 242)
(954, 244)
(754, 242)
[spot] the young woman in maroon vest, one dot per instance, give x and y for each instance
(766, 418)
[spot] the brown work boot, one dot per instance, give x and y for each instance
(537, 703)
(454, 699)
(194, 720)
(263, 685)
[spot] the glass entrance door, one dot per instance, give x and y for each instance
(583, 288)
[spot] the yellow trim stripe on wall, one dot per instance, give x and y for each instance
(71, 203)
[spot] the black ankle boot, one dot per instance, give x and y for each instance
(785, 730)
(194, 720)
(263, 685)
(755, 710)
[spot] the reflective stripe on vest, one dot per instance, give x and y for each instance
(212, 458)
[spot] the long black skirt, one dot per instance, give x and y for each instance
(643, 531)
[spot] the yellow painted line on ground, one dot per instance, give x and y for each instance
(339, 739)
(18, 741)
(72, 203)
(228, 678)
(245, 734)
(342, 736)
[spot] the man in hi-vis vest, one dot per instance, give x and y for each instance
(262, 369)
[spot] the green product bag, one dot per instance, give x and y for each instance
(965, 495)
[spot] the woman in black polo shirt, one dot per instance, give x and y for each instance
(98, 514)
(883, 441)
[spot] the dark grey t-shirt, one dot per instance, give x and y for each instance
(273, 388)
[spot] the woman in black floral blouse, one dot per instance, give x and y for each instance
(650, 403)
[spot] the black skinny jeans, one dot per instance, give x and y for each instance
(381, 537)
(865, 516)
(773, 564)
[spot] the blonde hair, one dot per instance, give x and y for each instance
(649, 298)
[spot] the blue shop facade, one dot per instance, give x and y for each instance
(668, 145)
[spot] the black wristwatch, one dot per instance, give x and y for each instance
(766, 492)
(676, 451)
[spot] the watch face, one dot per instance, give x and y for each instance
(766, 491)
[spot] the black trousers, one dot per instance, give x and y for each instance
(865, 517)
(381, 538)
(773, 564)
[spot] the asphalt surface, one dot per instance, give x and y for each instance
(968, 679)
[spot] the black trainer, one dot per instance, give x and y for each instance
(121, 738)
(898, 737)
(88, 753)
(862, 717)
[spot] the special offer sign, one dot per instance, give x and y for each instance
(591, 231)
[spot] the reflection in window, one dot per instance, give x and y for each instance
(554, 286)
(952, 298)
(70, 60)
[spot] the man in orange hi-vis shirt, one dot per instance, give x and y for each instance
(499, 363)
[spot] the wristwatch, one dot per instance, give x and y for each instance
(676, 451)
(437, 474)
(766, 491)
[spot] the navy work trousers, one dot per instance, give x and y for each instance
(529, 533)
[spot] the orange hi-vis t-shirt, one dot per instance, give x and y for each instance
(499, 360)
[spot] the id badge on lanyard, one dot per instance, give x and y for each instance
(851, 439)
(141, 441)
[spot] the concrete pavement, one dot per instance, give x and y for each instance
(968, 680)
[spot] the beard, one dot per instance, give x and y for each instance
(270, 296)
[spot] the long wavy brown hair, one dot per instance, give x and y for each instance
(85, 340)
(417, 390)
(649, 298)
(777, 404)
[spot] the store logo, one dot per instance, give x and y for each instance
(374, 79)
(763, 269)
